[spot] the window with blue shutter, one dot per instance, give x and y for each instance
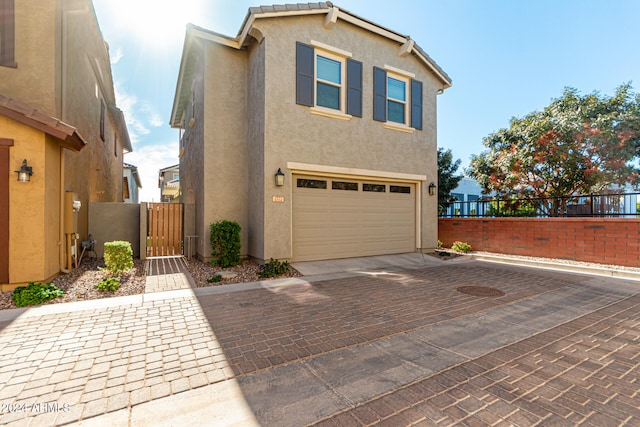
(379, 94)
(397, 99)
(329, 79)
(354, 87)
(304, 74)
(416, 104)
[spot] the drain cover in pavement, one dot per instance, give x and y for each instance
(480, 291)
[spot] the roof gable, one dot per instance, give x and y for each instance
(406, 45)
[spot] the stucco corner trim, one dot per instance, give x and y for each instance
(398, 127)
(326, 112)
(308, 168)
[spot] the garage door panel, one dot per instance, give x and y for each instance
(333, 223)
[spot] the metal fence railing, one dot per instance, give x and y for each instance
(617, 205)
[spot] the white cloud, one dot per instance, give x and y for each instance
(117, 56)
(149, 160)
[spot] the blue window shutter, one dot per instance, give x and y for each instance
(379, 94)
(304, 74)
(354, 87)
(416, 104)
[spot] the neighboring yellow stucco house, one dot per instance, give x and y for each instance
(57, 112)
(315, 129)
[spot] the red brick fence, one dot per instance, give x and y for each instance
(602, 240)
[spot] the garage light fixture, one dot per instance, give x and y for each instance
(279, 178)
(432, 189)
(25, 172)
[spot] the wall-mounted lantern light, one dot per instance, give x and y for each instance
(279, 178)
(432, 189)
(25, 172)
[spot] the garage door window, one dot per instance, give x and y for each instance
(312, 183)
(341, 185)
(399, 189)
(376, 188)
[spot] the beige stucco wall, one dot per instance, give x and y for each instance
(293, 134)
(114, 221)
(253, 127)
(95, 173)
(225, 142)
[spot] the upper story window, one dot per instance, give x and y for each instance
(397, 98)
(328, 80)
(7, 34)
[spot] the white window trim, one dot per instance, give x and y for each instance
(339, 55)
(407, 102)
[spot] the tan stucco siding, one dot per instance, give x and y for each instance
(255, 142)
(225, 139)
(27, 214)
(33, 81)
(95, 173)
(294, 134)
(52, 241)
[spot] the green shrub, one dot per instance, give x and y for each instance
(35, 293)
(215, 279)
(461, 247)
(274, 268)
(225, 243)
(109, 284)
(118, 257)
(439, 244)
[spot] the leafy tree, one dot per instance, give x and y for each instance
(447, 180)
(576, 145)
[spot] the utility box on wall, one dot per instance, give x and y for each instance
(71, 208)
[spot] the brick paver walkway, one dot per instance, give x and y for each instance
(167, 274)
(266, 328)
(585, 372)
(556, 349)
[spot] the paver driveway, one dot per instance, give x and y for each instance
(393, 348)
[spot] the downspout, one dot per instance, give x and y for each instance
(62, 241)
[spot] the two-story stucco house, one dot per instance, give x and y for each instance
(313, 128)
(58, 117)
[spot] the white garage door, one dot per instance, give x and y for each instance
(342, 218)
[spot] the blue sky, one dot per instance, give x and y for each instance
(506, 58)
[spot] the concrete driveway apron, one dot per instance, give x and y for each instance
(390, 346)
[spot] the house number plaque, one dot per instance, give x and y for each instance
(277, 199)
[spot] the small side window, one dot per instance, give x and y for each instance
(7, 34)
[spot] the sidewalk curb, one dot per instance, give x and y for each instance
(558, 266)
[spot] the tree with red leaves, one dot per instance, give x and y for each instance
(576, 145)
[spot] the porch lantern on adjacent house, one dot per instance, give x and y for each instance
(432, 189)
(25, 172)
(279, 178)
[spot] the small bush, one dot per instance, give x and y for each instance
(35, 293)
(214, 279)
(439, 244)
(109, 284)
(461, 247)
(225, 243)
(274, 268)
(118, 257)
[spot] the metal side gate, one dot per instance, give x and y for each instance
(164, 229)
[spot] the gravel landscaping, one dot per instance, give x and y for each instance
(79, 285)
(248, 271)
